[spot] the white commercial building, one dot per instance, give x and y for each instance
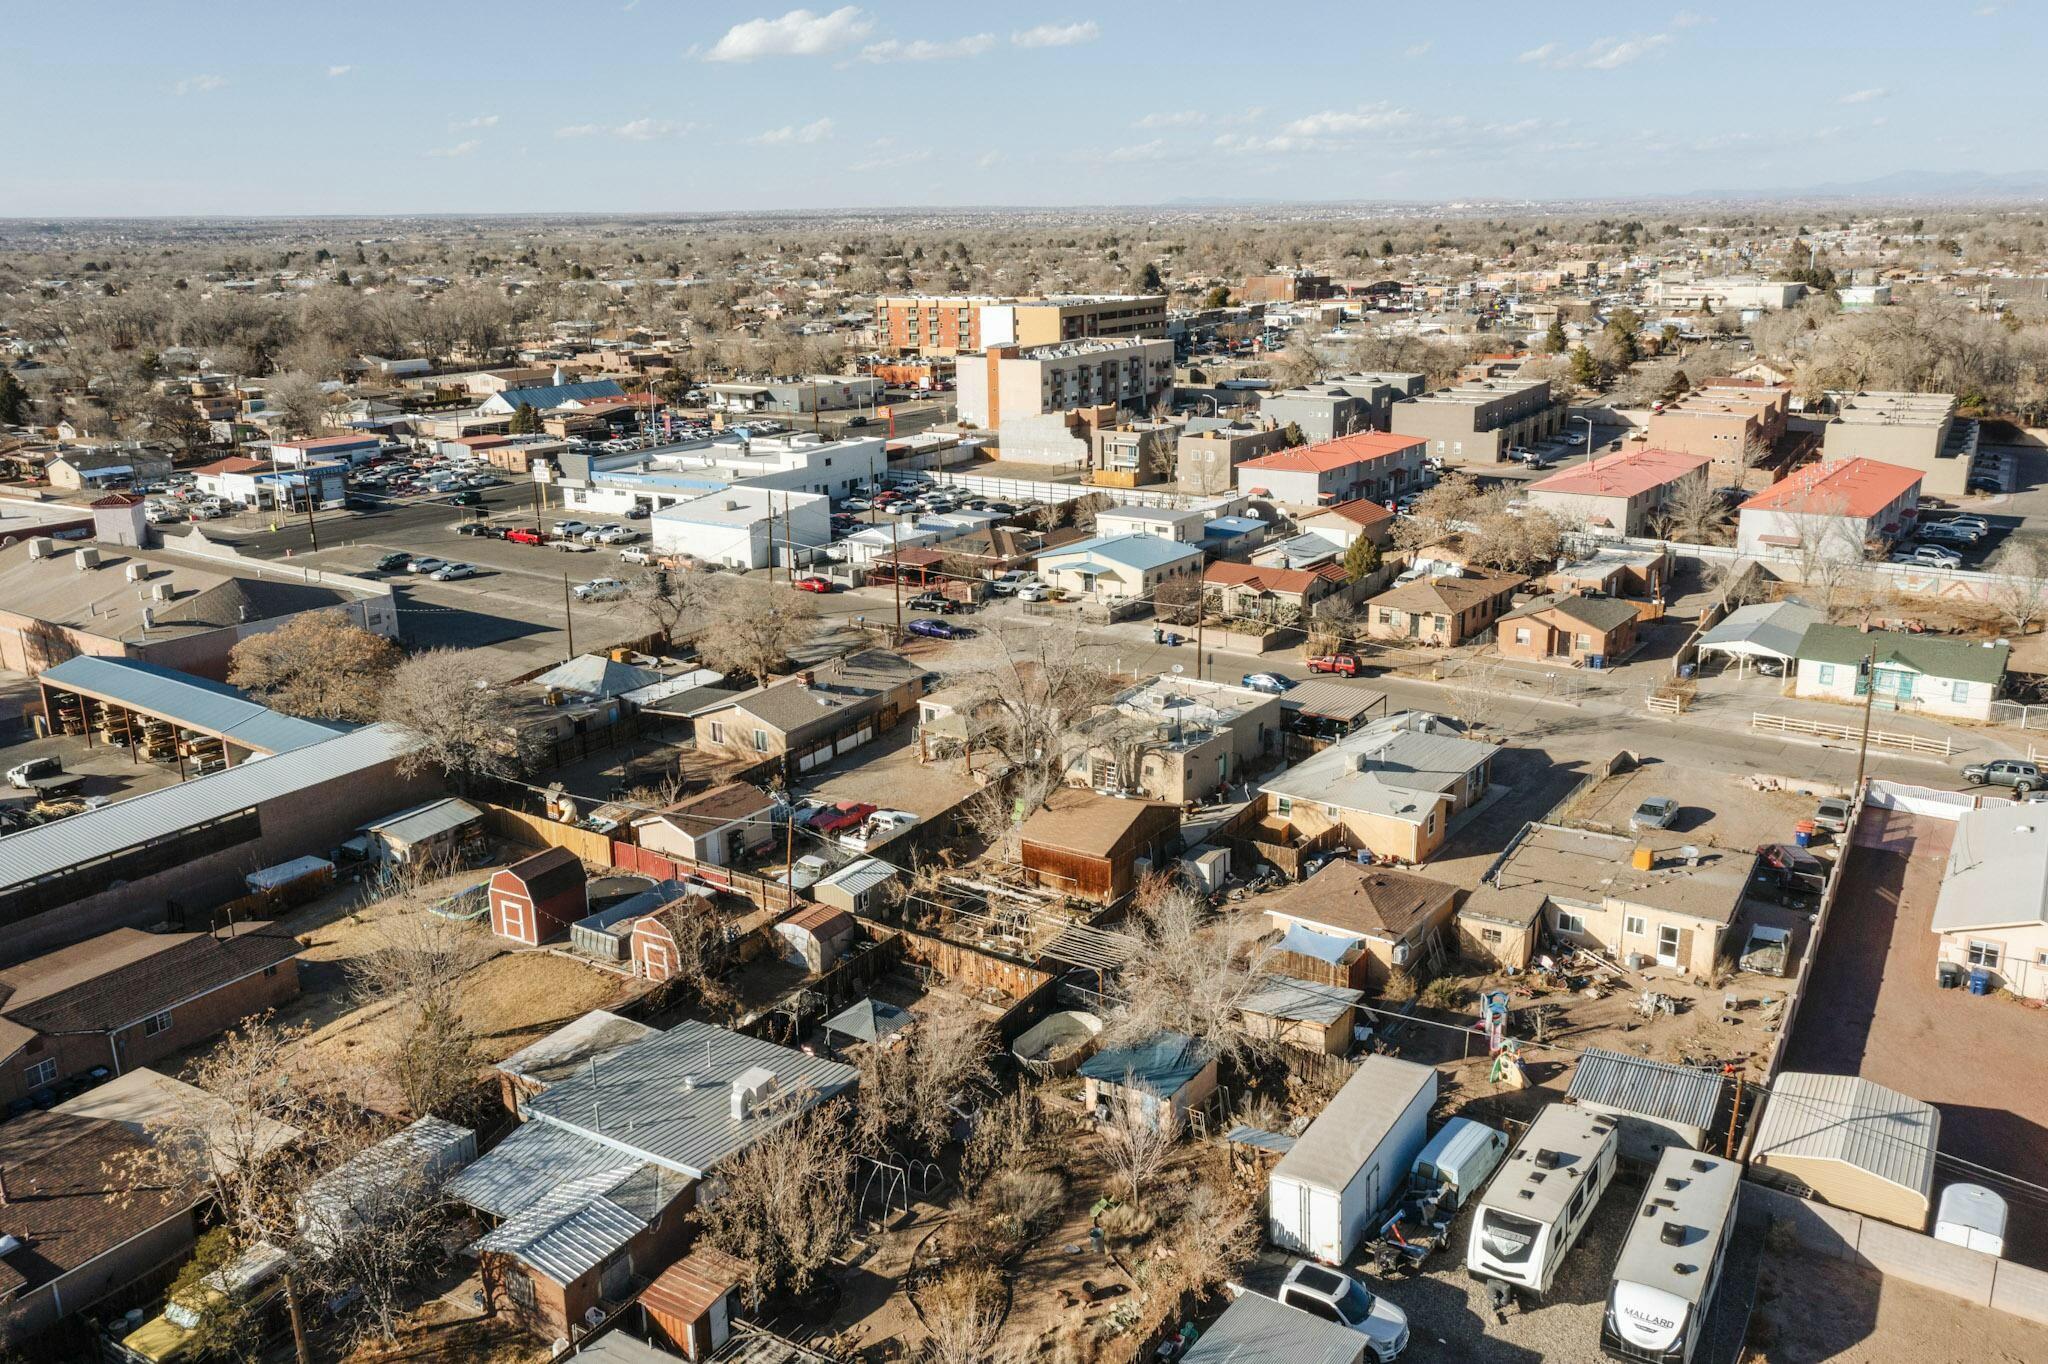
(1009, 382)
(743, 527)
(611, 485)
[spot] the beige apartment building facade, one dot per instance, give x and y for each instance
(1010, 382)
(1479, 421)
(1912, 430)
(955, 324)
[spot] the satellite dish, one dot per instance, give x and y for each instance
(1178, 669)
(593, 1316)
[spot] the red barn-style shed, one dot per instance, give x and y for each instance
(538, 897)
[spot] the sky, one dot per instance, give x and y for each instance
(127, 108)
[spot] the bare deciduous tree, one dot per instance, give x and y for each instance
(300, 402)
(1138, 1137)
(318, 664)
(455, 719)
(1693, 513)
(1036, 686)
(785, 1205)
(703, 951)
(963, 1317)
(415, 971)
(911, 1090)
(753, 628)
(668, 599)
(370, 1235)
(2022, 569)
(1186, 975)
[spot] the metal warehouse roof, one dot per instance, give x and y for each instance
(190, 701)
(1652, 1089)
(54, 847)
(669, 1098)
(1257, 1330)
(1851, 1120)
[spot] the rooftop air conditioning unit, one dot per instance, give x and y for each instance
(754, 1087)
(86, 559)
(160, 592)
(41, 547)
(136, 572)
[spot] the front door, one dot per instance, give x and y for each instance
(1667, 945)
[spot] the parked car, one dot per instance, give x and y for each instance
(1335, 1296)
(837, 817)
(600, 589)
(933, 601)
(567, 528)
(1986, 483)
(522, 536)
(1006, 584)
(1929, 556)
(1271, 683)
(617, 535)
(1832, 814)
(391, 563)
(637, 555)
(448, 573)
(1344, 665)
(934, 629)
(813, 584)
(877, 829)
(479, 530)
(856, 504)
(1658, 812)
(1948, 533)
(1972, 520)
(595, 534)
(1036, 592)
(2022, 777)
(425, 563)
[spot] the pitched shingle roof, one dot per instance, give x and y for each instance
(1930, 655)
(70, 1197)
(198, 965)
(1377, 902)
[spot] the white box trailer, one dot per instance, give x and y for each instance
(1352, 1160)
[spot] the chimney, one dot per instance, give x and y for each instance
(807, 678)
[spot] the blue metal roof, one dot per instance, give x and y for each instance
(193, 702)
(1162, 1064)
(1144, 552)
(554, 395)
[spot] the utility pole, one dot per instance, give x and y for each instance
(1201, 618)
(569, 612)
(311, 529)
(1869, 695)
(896, 578)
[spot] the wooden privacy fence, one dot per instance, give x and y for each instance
(1763, 722)
(537, 831)
(597, 849)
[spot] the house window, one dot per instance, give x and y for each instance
(1985, 954)
(1489, 935)
(760, 741)
(1330, 811)
(158, 1023)
(1285, 805)
(1826, 676)
(1429, 825)
(1585, 643)
(1959, 692)
(1521, 635)
(40, 1074)
(716, 732)
(270, 970)
(1568, 922)
(519, 1285)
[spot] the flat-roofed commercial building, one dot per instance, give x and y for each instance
(1011, 382)
(1618, 494)
(1914, 430)
(1715, 295)
(1479, 421)
(950, 324)
(1342, 404)
(1734, 427)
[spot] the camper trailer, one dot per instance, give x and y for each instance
(1532, 1213)
(1670, 1264)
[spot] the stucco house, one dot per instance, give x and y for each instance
(1921, 673)
(1442, 609)
(1992, 912)
(1392, 787)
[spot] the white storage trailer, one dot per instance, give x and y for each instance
(1971, 1215)
(1670, 1264)
(1352, 1160)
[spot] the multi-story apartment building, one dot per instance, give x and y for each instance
(1008, 383)
(1479, 421)
(1342, 404)
(941, 325)
(1912, 430)
(1735, 427)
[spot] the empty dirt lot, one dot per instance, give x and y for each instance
(1872, 1009)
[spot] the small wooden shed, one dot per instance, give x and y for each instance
(538, 897)
(1090, 846)
(690, 1304)
(815, 938)
(656, 954)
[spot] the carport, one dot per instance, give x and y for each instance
(1763, 631)
(167, 716)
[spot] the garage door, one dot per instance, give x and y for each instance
(857, 738)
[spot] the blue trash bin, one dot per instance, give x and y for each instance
(1803, 838)
(1980, 982)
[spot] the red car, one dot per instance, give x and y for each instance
(522, 536)
(813, 584)
(1343, 664)
(845, 815)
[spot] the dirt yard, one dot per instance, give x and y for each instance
(1815, 1310)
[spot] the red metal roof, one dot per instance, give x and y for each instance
(234, 464)
(1362, 448)
(1840, 487)
(1627, 473)
(327, 442)
(1284, 581)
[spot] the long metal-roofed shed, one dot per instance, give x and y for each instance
(168, 716)
(1257, 1330)
(123, 861)
(1762, 630)
(1655, 1104)
(1853, 1143)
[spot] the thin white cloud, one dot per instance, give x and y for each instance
(925, 50)
(1603, 54)
(1418, 50)
(334, 71)
(1369, 118)
(459, 149)
(799, 33)
(1143, 151)
(1686, 18)
(1058, 35)
(1864, 96)
(988, 159)
(648, 129)
(198, 85)
(480, 121)
(792, 133)
(1986, 11)
(1181, 118)
(890, 161)
(580, 130)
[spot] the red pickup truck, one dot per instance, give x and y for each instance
(523, 536)
(1345, 665)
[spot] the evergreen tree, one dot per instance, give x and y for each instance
(13, 399)
(1585, 369)
(1361, 560)
(525, 421)
(1554, 340)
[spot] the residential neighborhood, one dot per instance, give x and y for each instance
(1316, 722)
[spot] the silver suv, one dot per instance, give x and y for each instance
(2022, 777)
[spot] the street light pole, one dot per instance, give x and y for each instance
(1589, 434)
(569, 613)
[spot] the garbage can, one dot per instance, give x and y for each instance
(1948, 974)
(1980, 982)
(1802, 833)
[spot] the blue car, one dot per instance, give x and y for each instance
(1271, 683)
(934, 629)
